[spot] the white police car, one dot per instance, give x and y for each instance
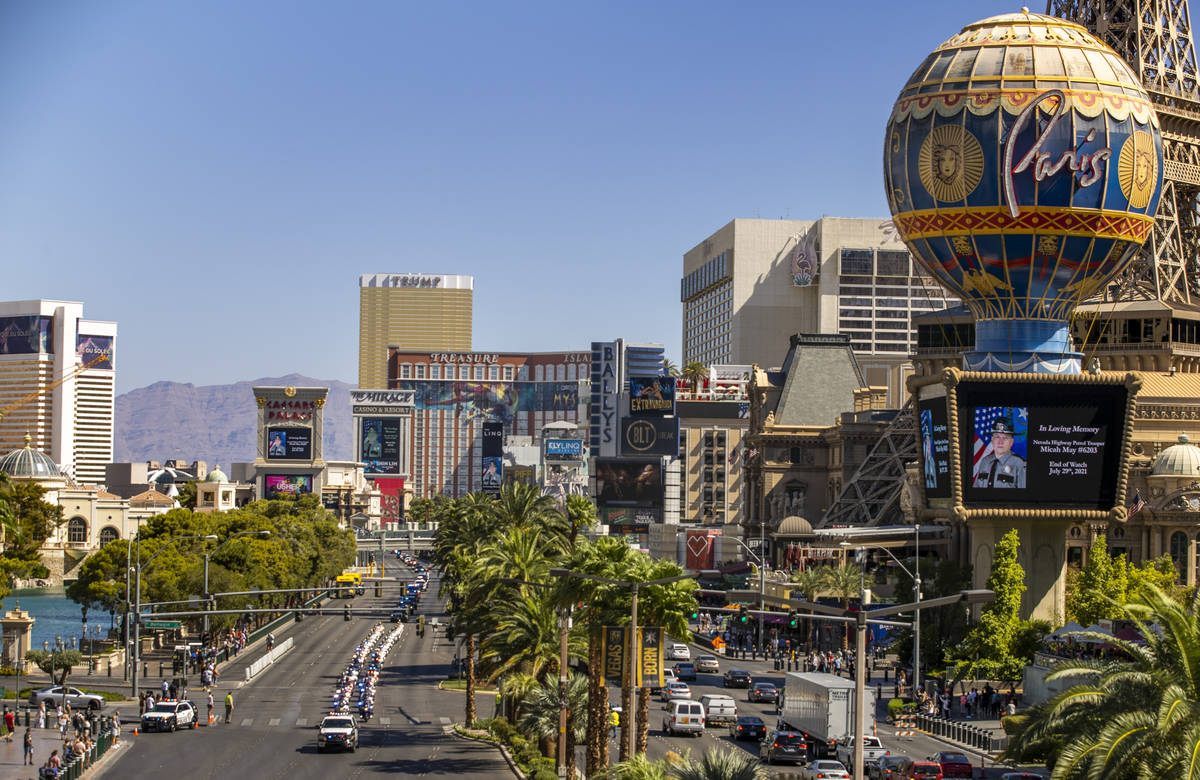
(338, 731)
(169, 715)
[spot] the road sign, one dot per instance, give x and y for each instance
(169, 624)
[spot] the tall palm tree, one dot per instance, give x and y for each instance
(810, 581)
(524, 505)
(524, 553)
(669, 368)
(527, 637)
(721, 765)
(667, 606)
(1131, 717)
(543, 706)
(845, 582)
(581, 514)
(693, 373)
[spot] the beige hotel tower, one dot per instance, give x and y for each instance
(413, 312)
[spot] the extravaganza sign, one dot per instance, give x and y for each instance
(89, 348)
(289, 444)
(701, 547)
(650, 436)
(629, 482)
(27, 335)
(275, 485)
(651, 395)
(379, 447)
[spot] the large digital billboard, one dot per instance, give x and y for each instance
(98, 348)
(380, 445)
(1025, 444)
(935, 447)
(492, 400)
(652, 395)
(275, 485)
(564, 449)
(650, 436)
(27, 335)
(629, 482)
(289, 444)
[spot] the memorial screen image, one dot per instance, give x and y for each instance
(1037, 445)
(935, 447)
(289, 443)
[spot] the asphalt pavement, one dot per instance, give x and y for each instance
(273, 730)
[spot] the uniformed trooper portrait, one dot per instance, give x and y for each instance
(1000, 468)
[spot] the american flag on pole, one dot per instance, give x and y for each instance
(1138, 504)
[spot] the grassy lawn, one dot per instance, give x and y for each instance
(461, 685)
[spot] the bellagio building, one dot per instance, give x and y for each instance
(455, 393)
(414, 312)
(56, 385)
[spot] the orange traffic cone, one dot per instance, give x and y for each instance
(135, 731)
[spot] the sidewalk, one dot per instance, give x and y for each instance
(44, 741)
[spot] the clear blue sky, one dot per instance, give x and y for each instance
(215, 176)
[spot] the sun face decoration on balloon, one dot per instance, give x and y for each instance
(1023, 166)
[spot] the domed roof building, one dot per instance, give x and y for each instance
(27, 463)
(1178, 460)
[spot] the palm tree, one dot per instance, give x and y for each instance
(693, 373)
(845, 582)
(1136, 716)
(524, 553)
(667, 606)
(542, 708)
(581, 514)
(639, 767)
(521, 505)
(721, 765)
(669, 368)
(527, 637)
(810, 582)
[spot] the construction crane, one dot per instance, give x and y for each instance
(104, 355)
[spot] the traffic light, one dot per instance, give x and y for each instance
(742, 616)
(378, 589)
(695, 614)
(346, 613)
(793, 619)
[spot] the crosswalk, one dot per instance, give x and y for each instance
(385, 721)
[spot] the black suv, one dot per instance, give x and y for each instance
(784, 746)
(737, 678)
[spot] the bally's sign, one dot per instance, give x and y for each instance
(650, 436)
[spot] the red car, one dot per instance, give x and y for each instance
(924, 770)
(953, 764)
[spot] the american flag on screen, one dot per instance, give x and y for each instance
(985, 416)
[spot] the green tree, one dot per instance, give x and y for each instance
(639, 767)
(1135, 715)
(56, 663)
(721, 765)
(943, 629)
(988, 649)
(581, 514)
(542, 708)
(667, 606)
(844, 581)
(1097, 590)
(694, 373)
(187, 495)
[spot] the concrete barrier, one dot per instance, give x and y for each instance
(268, 659)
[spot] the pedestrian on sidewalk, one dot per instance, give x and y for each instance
(210, 707)
(166, 689)
(228, 706)
(10, 723)
(28, 748)
(41, 714)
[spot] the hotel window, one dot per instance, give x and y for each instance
(435, 372)
(493, 372)
(405, 371)
(539, 373)
(508, 373)
(420, 371)
(479, 372)
(523, 373)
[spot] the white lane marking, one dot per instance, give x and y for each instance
(385, 721)
(247, 722)
(302, 721)
(273, 722)
(444, 720)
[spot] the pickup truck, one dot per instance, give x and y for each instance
(720, 710)
(873, 750)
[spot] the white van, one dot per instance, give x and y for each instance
(719, 709)
(679, 652)
(684, 717)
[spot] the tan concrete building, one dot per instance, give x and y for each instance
(713, 421)
(412, 312)
(755, 281)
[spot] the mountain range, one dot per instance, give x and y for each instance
(214, 423)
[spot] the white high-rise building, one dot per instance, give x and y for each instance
(57, 378)
(749, 287)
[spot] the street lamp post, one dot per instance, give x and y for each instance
(204, 632)
(634, 586)
(137, 595)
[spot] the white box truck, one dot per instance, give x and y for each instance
(822, 707)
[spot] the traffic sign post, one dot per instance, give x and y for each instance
(162, 624)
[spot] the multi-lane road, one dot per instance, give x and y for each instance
(273, 729)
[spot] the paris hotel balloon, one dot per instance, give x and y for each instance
(1023, 166)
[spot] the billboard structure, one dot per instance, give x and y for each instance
(633, 484)
(1015, 445)
(651, 395)
(492, 462)
(650, 436)
(276, 485)
(382, 421)
(291, 443)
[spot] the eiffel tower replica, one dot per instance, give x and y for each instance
(1155, 38)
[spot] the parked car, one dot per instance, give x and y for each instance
(708, 663)
(748, 727)
(678, 651)
(953, 764)
(685, 670)
(887, 768)
(824, 770)
(684, 717)
(784, 746)
(676, 690)
(762, 692)
(75, 697)
(737, 678)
